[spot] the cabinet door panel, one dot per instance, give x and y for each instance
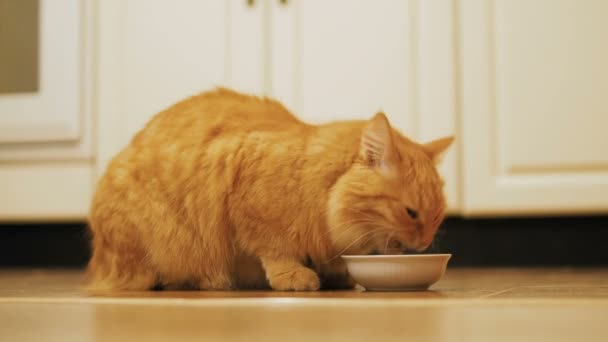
(169, 52)
(353, 59)
(534, 106)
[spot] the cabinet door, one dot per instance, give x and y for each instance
(45, 79)
(534, 113)
(343, 59)
(155, 53)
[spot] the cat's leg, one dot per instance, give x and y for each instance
(289, 274)
(210, 270)
(220, 281)
(215, 269)
(334, 276)
(196, 275)
(250, 273)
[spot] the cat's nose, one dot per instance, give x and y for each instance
(394, 247)
(394, 244)
(423, 243)
(423, 248)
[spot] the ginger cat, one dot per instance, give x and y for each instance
(226, 191)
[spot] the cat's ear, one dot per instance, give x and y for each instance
(436, 148)
(377, 143)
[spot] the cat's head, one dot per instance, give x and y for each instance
(391, 199)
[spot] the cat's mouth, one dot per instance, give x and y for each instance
(394, 247)
(391, 248)
(382, 245)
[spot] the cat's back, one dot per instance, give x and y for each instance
(204, 131)
(216, 113)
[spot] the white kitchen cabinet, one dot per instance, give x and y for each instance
(534, 110)
(344, 59)
(520, 84)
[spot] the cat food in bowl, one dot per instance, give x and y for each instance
(396, 272)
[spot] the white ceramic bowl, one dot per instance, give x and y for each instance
(396, 272)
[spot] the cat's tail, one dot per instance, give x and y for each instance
(108, 271)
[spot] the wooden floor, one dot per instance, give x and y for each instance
(466, 305)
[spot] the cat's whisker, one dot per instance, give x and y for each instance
(375, 222)
(385, 228)
(360, 221)
(371, 232)
(349, 230)
(366, 215)
(348, 222)
(366, 219)
(388, 239)
(369, 238)
(373, 236)
(350, 245)
(357, 229)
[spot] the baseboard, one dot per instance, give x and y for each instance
(44, 245)
(521, 242)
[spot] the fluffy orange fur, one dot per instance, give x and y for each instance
(226, 191)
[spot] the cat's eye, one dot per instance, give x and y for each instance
(413, 213)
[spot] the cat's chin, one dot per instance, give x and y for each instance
(394, 247)
(389, 251)
(383, 250)
(394, 251)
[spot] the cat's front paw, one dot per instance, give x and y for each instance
(300, 279)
